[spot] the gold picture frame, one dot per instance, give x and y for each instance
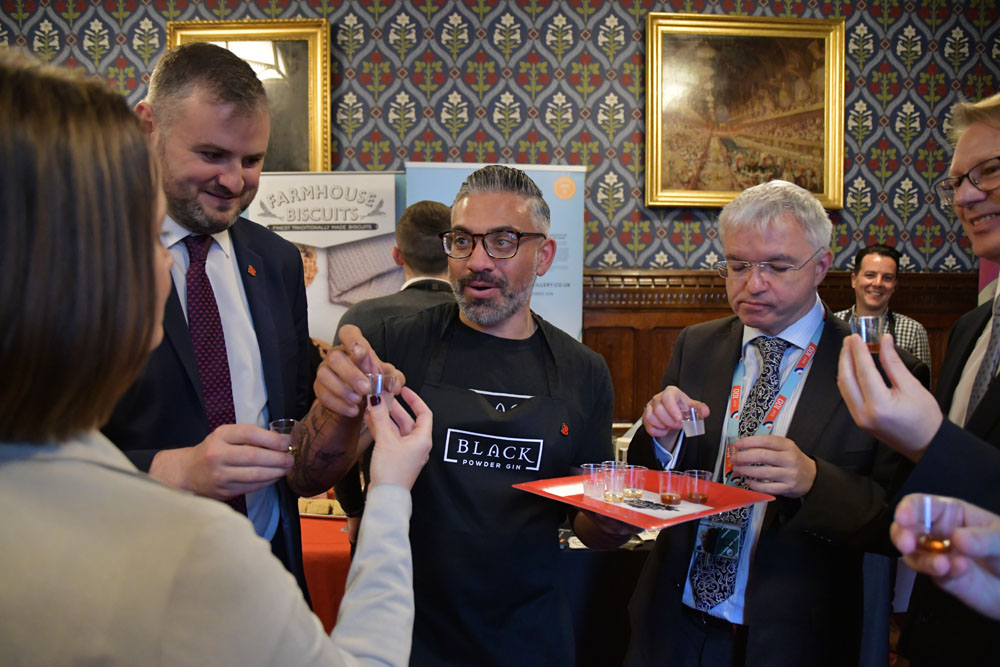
(734, 101)
(295, 68)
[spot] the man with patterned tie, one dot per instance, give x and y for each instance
(236, 348)
(778, 584)
(952, 460)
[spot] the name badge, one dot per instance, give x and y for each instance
(721, 540)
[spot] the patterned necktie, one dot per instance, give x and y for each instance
(713, 576)
(209, 342)
(987, 369)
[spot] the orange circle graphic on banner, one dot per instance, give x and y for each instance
(564, 187)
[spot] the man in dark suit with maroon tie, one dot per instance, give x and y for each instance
(235, 353)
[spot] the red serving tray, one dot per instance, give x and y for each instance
(721, 498)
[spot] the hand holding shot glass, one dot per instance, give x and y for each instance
(672, 410)
(956, 543)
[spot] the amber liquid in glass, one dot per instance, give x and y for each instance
(932, 544)
(696, 497)
(670, 498)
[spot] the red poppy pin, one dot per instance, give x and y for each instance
(565, 429)
(252, 271)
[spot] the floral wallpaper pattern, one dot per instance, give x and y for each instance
(562, 82)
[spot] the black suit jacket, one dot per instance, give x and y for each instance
(421, 293)
(965, 463)
(164, 408)
(804, 593)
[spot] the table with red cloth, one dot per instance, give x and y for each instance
(326, 556)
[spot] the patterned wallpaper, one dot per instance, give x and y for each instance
(562, 82)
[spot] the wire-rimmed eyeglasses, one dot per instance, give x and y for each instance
(499, 244)
(985, 177)
(742, 269)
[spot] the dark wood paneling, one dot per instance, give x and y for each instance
(633, 318)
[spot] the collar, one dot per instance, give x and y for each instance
(172, 234)
(89, 446)
(798, 334)
(427, 282)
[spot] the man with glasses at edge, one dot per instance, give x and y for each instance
(514, 399)
(956, 443)
(779, 583)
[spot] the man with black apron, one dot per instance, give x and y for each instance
(514, 399)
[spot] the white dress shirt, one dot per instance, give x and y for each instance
(246, 370)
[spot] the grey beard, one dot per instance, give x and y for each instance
(486, 313)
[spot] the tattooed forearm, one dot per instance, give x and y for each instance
(326, 444)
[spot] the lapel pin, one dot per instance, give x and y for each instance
(252, 271)
(565, 429)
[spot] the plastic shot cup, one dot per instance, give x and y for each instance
(614, 481)
(382, 385)
(870, 328)
(697, 485)
(593, 480)
(672, 487)
(284, 427)
(693, 424)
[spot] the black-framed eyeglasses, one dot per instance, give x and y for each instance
(500, 244)
(741, 269)
(985, 177)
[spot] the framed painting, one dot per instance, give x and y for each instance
(292, 59)
(736, 101)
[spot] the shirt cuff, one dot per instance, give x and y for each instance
(667, 459)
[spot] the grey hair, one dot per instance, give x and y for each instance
(502, 178)
(761, 206)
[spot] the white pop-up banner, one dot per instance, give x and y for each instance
(344, 224)
(558, 295)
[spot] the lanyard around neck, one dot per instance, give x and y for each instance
(786, 390)
(767, 424)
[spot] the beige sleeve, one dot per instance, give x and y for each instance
(233, 603)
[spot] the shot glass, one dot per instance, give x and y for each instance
(284, 427)
(593, 480)
(635, 481)
(381, 384)
(693, 424)
(614, 481)
(937, 519)
(697, 485)
(672, 487)
(870, 328)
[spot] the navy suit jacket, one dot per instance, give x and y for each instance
(965, 463)
(804, 594)
(164, 408)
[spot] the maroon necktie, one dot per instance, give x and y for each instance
(209, 343)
